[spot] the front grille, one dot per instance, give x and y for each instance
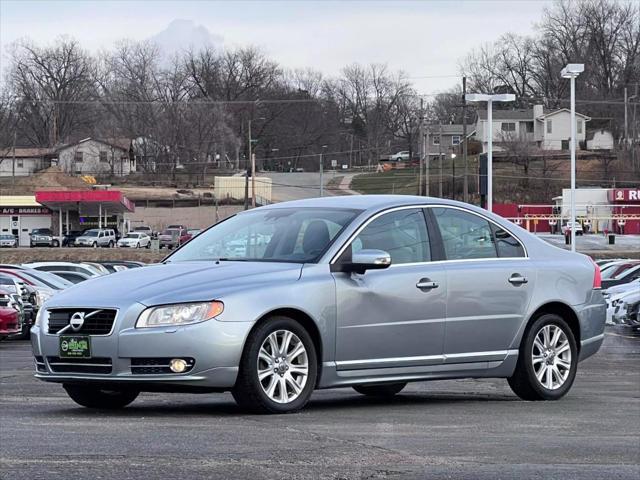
(99, 323)
(156, 365)
(80, 365)
(40, 367)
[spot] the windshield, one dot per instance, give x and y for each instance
(132, 235)
(299, 235)
(6, 237)
(90, 233)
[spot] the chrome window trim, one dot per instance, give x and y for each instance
(431, 205)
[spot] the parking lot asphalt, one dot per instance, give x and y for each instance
(475, 429)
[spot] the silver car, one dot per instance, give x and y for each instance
(370, 292)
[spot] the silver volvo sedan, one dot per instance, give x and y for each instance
(370, 292)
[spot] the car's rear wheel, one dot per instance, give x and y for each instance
(94, 245)
(547, 360)
(138, 245)
(102, 398)
(382, 390)
(55, 243)
(278, 369)
(111, 244)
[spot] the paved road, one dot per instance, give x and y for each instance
(297, 185)
(474, 429)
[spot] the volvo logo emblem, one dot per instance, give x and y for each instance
(77, 321)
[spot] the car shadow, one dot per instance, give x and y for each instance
(224, 406)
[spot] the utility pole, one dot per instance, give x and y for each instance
(322, 171)
(420, 145)
(626, 122)
(440, 162)
(253, 180)
(427, 180)
(13, 168)
(465, 185)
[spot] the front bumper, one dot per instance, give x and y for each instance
(215, 346)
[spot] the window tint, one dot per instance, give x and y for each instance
(507, 244)
(464, 235)
(402, 234)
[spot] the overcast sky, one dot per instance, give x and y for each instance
(423, 38)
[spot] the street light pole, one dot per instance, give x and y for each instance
(484, 97)
(322, 171)
(571, 71)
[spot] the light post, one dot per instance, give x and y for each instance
(324, 147)
(490, 98)
(571, 71)
(453, 176)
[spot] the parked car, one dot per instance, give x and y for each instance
(403, 156)
(627, 311)
(10, 323)
(173, 237)
(97, 237)
(65, 267)
(123, 263)
(143, 229)
(365, 291)
(43, 237)
(193, 232)
(135, 240)
(8, 241)
(73, 277)
(625, 276)
(566, 228)
(615, 295)
(617, 268)
(69, 238)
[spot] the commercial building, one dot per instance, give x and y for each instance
(20, 214)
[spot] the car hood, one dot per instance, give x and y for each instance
(174, 283)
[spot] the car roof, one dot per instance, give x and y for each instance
(365, 202)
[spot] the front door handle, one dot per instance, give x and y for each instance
(517, 279)
(426, 284)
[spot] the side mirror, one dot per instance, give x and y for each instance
(365, 260)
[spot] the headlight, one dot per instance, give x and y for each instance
(180, 314)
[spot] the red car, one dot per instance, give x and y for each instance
(9, 317)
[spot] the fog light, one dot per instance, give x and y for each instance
(177, 365)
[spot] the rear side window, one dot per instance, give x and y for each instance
(402, 234)
(507, 244)
(464, 235)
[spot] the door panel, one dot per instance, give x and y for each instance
(385, 320)
(392, 317)
(484, 309)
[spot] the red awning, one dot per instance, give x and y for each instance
(86, 202)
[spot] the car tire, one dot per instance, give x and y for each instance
(542, 361)
(110, 244)
(55, 244)
(381, 390)
(104, 399)
(94, 244)
(270, 393)
(138, 245)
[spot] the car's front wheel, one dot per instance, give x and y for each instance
(547, 360)
(382, 390)
(101, 398)
(278, 368)
(55, 244)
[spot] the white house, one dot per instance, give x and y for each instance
(93, 156)
(548, 131)
(24, 161)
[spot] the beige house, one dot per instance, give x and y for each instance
(24, 161)
(93, 156)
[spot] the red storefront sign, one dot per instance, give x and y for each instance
(624, 195)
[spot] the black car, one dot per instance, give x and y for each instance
(70, 237)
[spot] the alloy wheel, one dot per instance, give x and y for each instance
(551, 357)
(283, 366)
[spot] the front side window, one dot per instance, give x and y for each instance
(298, 235)
(464, 235)
(402, 234)
(508, 127)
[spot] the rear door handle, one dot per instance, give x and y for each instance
(517, 279)
(426, 284)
